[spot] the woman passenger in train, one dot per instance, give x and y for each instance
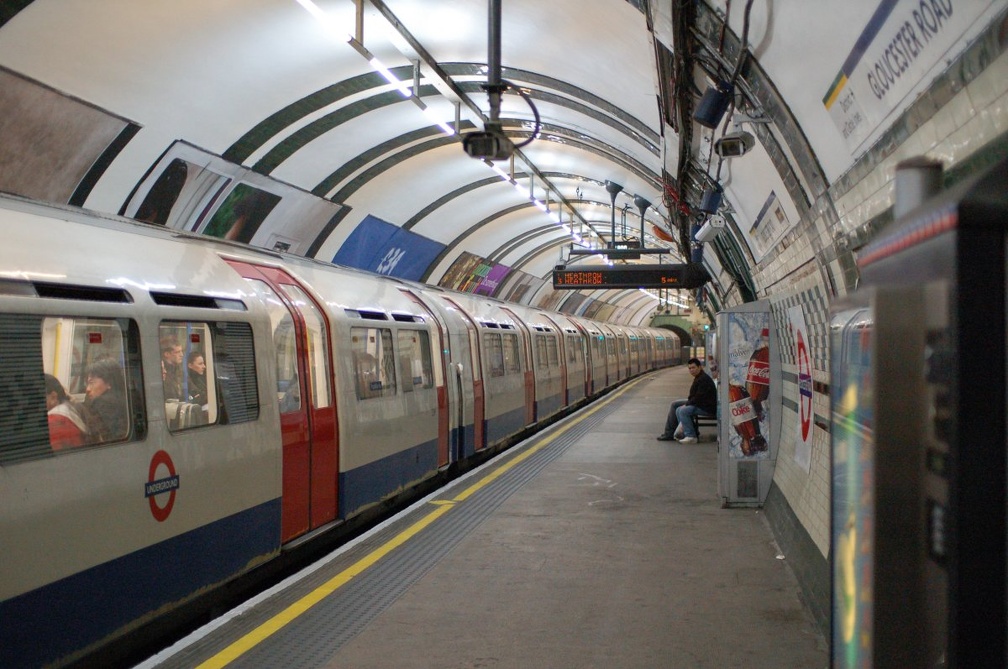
(66, 424)
(197, 378)
(105, 405)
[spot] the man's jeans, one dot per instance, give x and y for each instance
(682, 413)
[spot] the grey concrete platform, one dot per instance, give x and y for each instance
(602, 547)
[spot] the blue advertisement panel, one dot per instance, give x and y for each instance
(378, 246)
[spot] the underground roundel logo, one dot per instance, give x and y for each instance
(804, 387)
(161, 480)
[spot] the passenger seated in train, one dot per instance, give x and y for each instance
(197, 384)
(105, 405)
(67, 428)
(171, 367)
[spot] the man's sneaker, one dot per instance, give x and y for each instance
(679, 434)
(688, 440)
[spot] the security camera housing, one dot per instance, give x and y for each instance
(734, 144)
(488, 144)
(709, 230)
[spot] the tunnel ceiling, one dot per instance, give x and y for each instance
(107, 102)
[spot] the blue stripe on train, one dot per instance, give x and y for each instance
(49, 623)
(548, 406)
(504, 425)
(382, 478)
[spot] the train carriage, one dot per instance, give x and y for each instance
(262, 400)
(192, 501)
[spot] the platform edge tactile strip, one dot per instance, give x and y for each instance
(314, 636)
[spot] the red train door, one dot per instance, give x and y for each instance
(305, 394)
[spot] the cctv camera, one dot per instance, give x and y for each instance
(489, 144)
(734, 144)
(709, 230)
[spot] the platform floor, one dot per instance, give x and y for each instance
(589, 545)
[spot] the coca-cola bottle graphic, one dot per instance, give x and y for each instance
(758, 374)
(744, 420)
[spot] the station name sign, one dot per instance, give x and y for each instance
(635, 276)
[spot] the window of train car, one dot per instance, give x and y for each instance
(552, 351)
(208, 373)
(285, 347)
(573, 348)
(494, 353)
(66, 383)
(611, 346)
(318, 360)
(373, 362)
(597, 342)
(541, 357)
(415, 366)
(512, 354)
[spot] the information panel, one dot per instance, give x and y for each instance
(636, 276)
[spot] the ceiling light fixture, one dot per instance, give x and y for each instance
(355, 41)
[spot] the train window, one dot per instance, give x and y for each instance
(552, 351)
(494, 353)
(622, 346)
(285, 347)
(541, 355)
(573, 348)
(512, 354)
(373, 362)
(415, 368)
(66, 383)
(611, 345)
(318, 360)
(208, 373)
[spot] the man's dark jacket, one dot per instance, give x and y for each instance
(703, 393)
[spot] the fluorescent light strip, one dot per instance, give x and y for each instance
(404, 88)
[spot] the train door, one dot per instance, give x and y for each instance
(479, 404)
(440, 377)
(564, 358)
(530, 416)
(305, 394)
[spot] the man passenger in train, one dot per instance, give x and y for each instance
(171, 368)
(105, 404)
(702, 401)
(66, 424)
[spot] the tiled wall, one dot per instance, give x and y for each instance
(963, 115)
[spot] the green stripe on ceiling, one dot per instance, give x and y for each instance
(448, 197)
(438, 140)
(10, 8)
(550, 83)
(275, 124)
(294, 113)
(303, 136)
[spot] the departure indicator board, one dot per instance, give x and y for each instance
(636, 276)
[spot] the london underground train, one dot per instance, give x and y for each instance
(176, 411)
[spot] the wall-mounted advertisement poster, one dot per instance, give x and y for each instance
(748, 376)
(381, 247)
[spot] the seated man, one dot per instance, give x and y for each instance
(702, 401)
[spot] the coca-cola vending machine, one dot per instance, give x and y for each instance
(918, 439)
(749, 397)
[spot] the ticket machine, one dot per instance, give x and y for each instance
(918, 439)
